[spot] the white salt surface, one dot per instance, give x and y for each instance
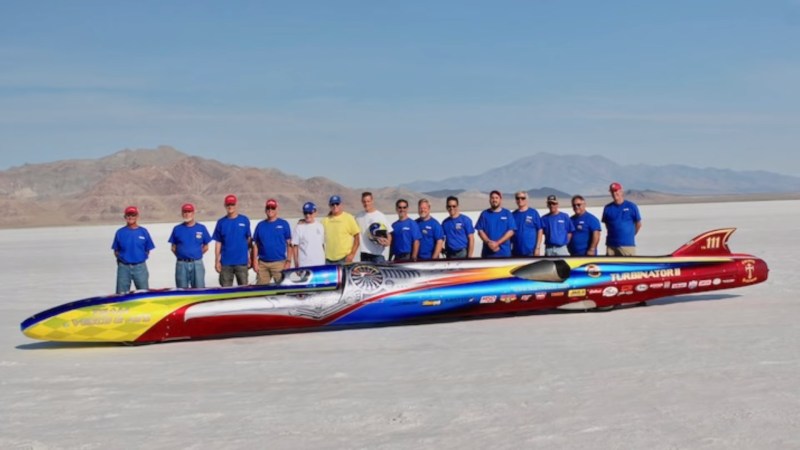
(717, 370)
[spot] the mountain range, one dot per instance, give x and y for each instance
(591, 175)
(159, 180)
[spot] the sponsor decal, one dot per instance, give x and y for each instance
(749, 268)
(610, 291)
(646, 274)
(626, 288)
(716, 281)
(557, 294)
(666, 284)
(593, 270)
(641, 287)
(595, 291)
(541, 295)
(488, 299)
(525, 297)
(728, 281)
(431, 303)
(656, 285)
(704, 283)
(624, 293)
(577, 293)
(692, 284)
(508, 298)
(678, 285)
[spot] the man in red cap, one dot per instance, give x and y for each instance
(189, 241)
(273, 242)
(623, 222)
(232, 250)
(132, 245)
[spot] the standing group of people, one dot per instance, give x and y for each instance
(275, 245)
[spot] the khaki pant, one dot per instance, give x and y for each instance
(267, 271)
(621, 251)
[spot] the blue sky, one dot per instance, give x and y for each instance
(372, 93)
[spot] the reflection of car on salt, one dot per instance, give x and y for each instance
(362, 294)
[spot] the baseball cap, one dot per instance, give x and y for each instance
(615, 187)
(131, 211)
(552, 199)
(230, 200)
(272, 203)
(309, 207)
(334, 199)
(187, 207)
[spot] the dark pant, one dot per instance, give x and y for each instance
(369, 257)
(228, 272)
(402, 256)
(453, 254)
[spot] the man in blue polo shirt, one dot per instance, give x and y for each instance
(189, 241)
(273, 240)
(623, 222)
(459, 239)
(232, 249)
(496, 227)
(430, 246)
(527, 238)
(557, 229)
(587, 230)
(405, 236)
(132, 245)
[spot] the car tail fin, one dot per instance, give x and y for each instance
(710, 243)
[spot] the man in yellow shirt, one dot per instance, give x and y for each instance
(341, 234)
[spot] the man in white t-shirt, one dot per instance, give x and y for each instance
(374, 230)
(308, 239)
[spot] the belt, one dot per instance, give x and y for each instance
(188, 259)
(119, 261)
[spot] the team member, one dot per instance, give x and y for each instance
(496, 227)
(189, 241)
(623, 222)
(557, 229)
(374, 232)
(404, 240)
(527, 238)
(308, 239)
(459, 239)
(430, 246)
(232, 249)
(273, 243)
(341, 233)
(132, 245)
(586, 236)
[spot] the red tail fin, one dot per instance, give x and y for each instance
(710, 243)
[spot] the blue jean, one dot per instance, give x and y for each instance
(132, 272)
(190, 274)
(556, 251)
(453, 254)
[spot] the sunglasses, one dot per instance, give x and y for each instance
(402, 207)
(452, 206)
(230, 204)
(575, 205)
(334, 204)
(521, 198)
(270, 208)
(307, 213)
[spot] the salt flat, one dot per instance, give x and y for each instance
(715, 370)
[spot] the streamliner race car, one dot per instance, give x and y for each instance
(364, 294)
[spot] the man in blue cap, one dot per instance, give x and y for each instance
(341, 233)
(308, 239)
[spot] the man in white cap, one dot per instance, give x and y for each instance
(308, 239)
(623, 222)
